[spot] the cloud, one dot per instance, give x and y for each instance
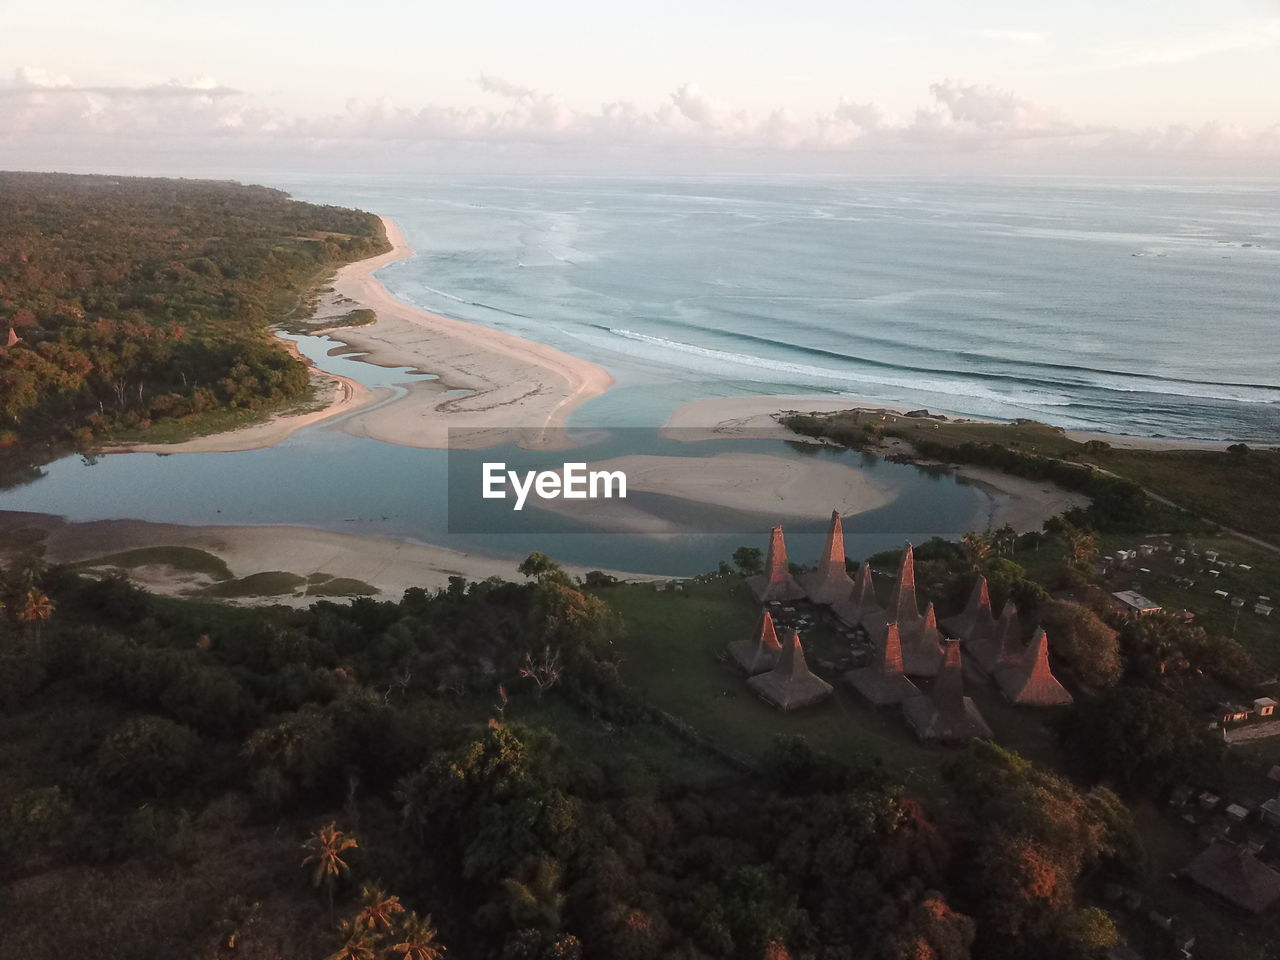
(32, 80)
(957, 118)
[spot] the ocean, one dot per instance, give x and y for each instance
(1148, 309)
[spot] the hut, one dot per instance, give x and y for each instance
(1003, 648)
(945, 714)
(921, 653)
(759, 653)
(975, 622)
(776, 583)
(1030, 682)
(1235, 876)
(830, 583)
(790, 685)
(858, 607)
(884, 682)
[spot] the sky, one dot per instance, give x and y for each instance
(1126, 87)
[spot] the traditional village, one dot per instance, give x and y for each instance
(918, 666)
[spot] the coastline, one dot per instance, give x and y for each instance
(393, 565)
(755, 415)
(493, 388)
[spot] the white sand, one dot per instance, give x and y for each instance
(516, 389)
(392, 565)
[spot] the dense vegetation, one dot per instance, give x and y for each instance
(1236, 486)
(466, 769)
(138, 301)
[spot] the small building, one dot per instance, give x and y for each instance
(776, 583)
(857, 608)
(790, 685)
(1030, 682)
(1264, 706)
(921, 653)
(1236, 877)
(976, 621)
(945, 714)
(759, 653)
(1270, 812)
(884, 682)
(1003, 648)
(1232, 713)
(829, 583)
(1134, 602)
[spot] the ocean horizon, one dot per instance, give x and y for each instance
(1133, 308)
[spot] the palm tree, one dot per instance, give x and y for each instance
(1082, 549)
(1004, 539)
(35, 608)
(418, 940)
(26, 572)
(378, 910)
(358, 943)
(977, 550)
(324, 857)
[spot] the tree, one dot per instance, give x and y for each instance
(1141, 739)
(977, 550)
(147, 756)
(749, 560)
(34, 608)
(418, 939)
(378, 910)
(358, 943)
(1080, 637)
(1082, 550)
(536, 901)
(324, 857)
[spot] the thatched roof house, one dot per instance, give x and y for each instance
(1031, 682)
(830, 583)
(759, 653)
(1003, 648)
(945, 714)
(921, 653)
(776, 583)
(855, 609)
(790, 685)
(1236, 876)
(883, 682)
(975, 622)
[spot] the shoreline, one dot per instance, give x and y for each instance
(391, 564)
(755, 415)
(494, 387)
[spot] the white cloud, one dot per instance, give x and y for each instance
(957, 118)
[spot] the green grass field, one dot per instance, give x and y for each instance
(670, 653)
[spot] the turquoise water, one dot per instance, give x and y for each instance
(1136, 308)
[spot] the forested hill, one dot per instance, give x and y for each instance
(137, 300)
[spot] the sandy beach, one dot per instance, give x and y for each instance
(493, 387)
(392, 565)
(778, 489)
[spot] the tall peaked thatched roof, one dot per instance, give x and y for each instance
(1004, 647)
(861, 604)
(1236, 876)
(830, 583)
(790, 685)
(760, 652)
(902, 605)
(13, 338)
(945, 714)
(1031, 682)
(883, 682)
(976, 621)
(776, 583)
(922, 646)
